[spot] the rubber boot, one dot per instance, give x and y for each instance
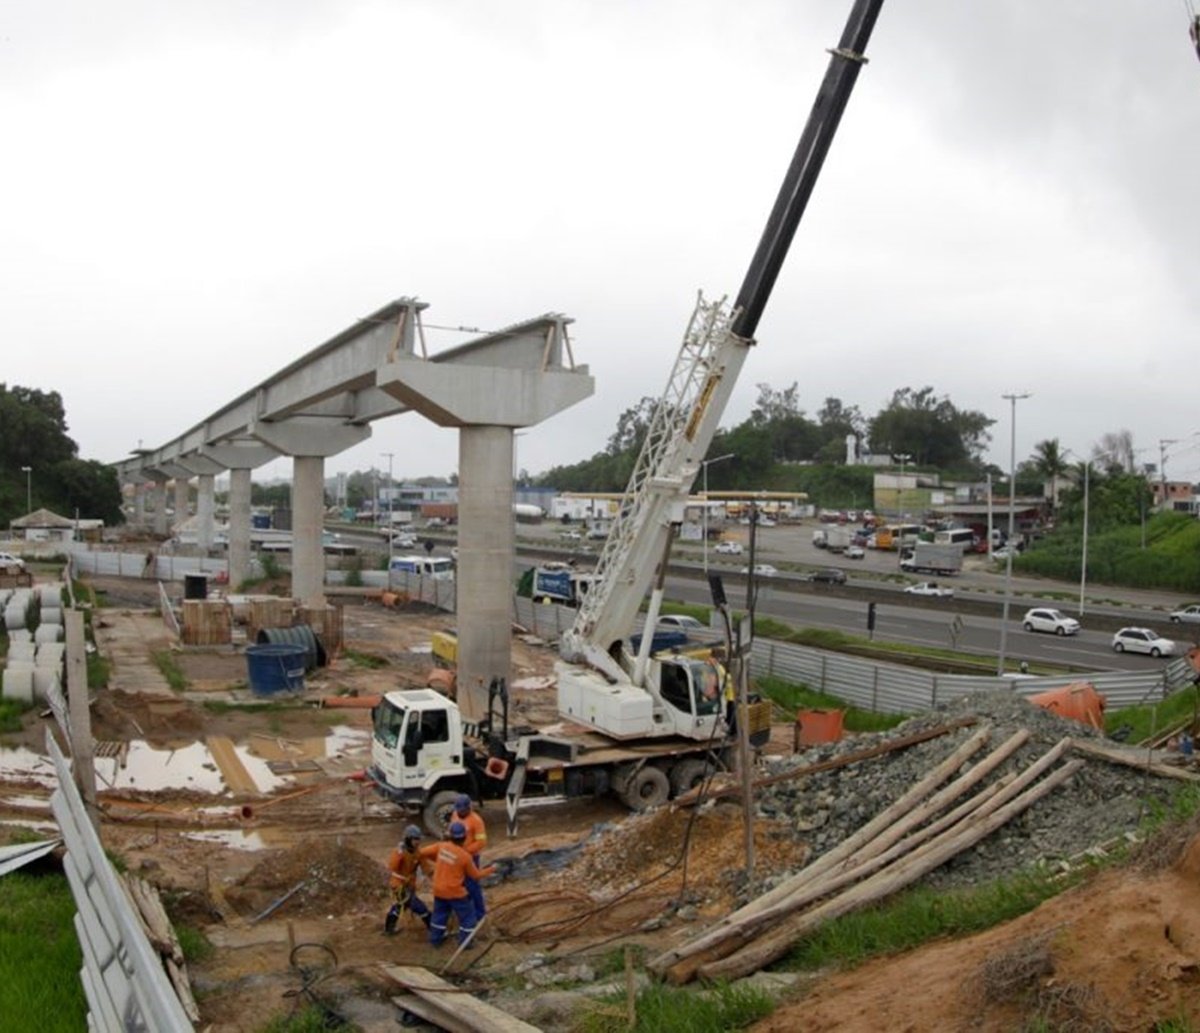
(393, 916)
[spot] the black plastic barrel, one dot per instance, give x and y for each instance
(300, 635)
(195, 586)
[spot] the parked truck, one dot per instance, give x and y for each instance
(834, 537)
(644, 714)
(930, 558)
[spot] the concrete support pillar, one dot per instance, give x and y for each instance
(308, 521)
(139, 503)
(485, 585)
(181, 499)
(205, 532)
(239, 526)
(161, 527)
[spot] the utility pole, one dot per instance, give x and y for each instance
(1162, 467)
(902, 458)
(1012, 510)
(391, 527)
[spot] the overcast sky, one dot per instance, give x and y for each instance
(195, 194)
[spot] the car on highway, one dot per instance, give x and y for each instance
(829, 576)
(1143, 640)
(1188, 615)
(930, 588)
(10, 562)
(730, 548)
(854, 552)
(570, 536)
(680, 621)
(761, 570)
(1053, 622)
(404, 539)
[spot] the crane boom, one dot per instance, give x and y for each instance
(715, 345)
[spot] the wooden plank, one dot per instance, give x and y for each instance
(467, 1012)
(431, 1013)
(232, 769)
(1152, 762)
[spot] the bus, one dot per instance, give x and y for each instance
(963, 537)
(896, 536)
(440, 568)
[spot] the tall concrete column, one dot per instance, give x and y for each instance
(139, 503)
(308, 440)
(485, 585)
(239, 525)
(181, 499)
(308, 523)
(205, 508)
(527, 381)
(160, 506)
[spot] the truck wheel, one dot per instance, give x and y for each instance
(688, 774)
(648, 788)
(436, 814)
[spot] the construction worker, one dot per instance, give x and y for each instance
(404, 864)
(476, 840)
(452, 867)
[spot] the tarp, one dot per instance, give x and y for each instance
(21, 854)
(1078, 701)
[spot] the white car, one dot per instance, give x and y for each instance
(404, 539)
(761, 570)
(8, 561)
(681, 621)
(571, 536)
(1142, 640)
(730, 548)
(854, 552)
(1051, 621)
(930, 588)
(1188, 615)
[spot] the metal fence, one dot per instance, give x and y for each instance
(123, 978)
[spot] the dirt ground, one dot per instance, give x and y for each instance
(301, 862)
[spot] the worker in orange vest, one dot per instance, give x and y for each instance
(404, 864)
(452, 867)
(476, 840)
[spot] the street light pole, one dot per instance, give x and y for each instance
(391, 528)
(1087, 466)
(1012, 510)
(704, 464)
(902, 458)
(28, 472)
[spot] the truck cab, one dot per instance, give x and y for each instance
(416, 743)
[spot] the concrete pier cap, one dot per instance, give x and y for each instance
(516, 378)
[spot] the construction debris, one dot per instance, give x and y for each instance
(431, 998)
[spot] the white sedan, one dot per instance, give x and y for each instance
(854, 552)
(1142, 640)
(1188, 615)
(930, 588)
(730, 548)
(761, 570)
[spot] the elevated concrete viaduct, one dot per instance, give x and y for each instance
(324, 403)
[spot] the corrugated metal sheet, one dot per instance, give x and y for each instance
(126, 987)
(21, 854)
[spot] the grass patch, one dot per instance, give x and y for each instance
(1149, 719)
(164, 660)
(920, 915)
(310, 1019)
(11, 712)
(369, 660)
(666, 1009)
(98, 671)
(194, 944)
(791, 698)
(39, 954)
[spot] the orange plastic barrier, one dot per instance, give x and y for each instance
(351, 702)
(818, 726)
(1078, 701)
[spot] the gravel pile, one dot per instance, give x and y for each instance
(1100, 803)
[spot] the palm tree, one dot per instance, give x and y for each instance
(1050, 463)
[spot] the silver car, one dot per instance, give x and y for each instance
(1188, 615)
(1042, 618)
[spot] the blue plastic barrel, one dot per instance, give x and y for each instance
(275, 668)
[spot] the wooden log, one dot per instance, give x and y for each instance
(1149, 761)
(673, 957)
(177, 973)
(776, 943)
(458, 1009)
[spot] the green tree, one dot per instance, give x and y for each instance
(86, 487)
(930, 429)
(1051, 465)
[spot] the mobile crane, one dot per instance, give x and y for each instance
(649, 728)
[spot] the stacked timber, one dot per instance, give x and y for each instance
(206, 622)
(267, 611)
(149, 908)
(327, 624)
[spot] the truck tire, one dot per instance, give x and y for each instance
(647, 788)
(688, 774)
(437, 811)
